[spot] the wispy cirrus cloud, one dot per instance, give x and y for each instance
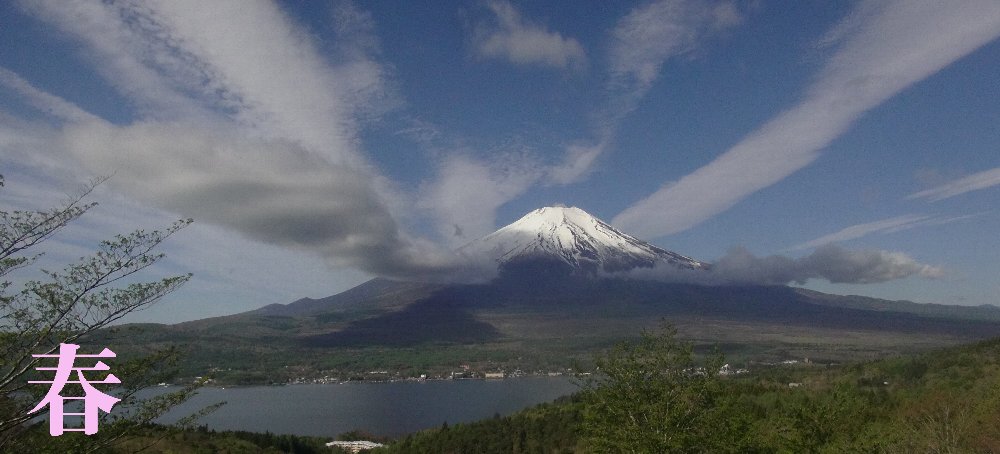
(468, 185)
(241, 123)
(883, 48)
(120, 51)
(890, 225)
(639, 46)
(578, 161)
(522, 42)
(244, 60)
(859, 230)
(645, 39)
(466, 193)
(261, 67)
(44, 102)
(977, 181)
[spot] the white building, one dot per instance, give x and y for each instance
(355, 446)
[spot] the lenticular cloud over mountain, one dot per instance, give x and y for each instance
(273, 191)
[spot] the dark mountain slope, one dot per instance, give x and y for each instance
(375, 294)
(449, 315)
(428, 321)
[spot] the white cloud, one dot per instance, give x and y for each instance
(368, 84)
(269, 190)
(522, 42)
(420, 131)
(243, 125)
(272, 152)
(467, 192)
(640, 44)
(24, 147)
(191, 60)
(650, 35)
(231, 273)
(890, 225)
(262, 66)
(120, 52)
(857, 231)
(577, 163)
(831, 263)
(894, 45)
(44, 102)
(974, 182)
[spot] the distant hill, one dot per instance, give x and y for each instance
(984, 312)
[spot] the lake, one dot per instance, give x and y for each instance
(391, 409)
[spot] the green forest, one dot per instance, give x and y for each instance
(655, 399)
(655, 395)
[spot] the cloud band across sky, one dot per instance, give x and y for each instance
(247, 127)
(893, 45)
(974, 182)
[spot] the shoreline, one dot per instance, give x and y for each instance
(375, 381)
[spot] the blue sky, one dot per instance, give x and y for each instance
(318, 144)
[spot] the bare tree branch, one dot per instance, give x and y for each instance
(70, 304)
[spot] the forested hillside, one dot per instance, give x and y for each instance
(655, 396)
(945, 401)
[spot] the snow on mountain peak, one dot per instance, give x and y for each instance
(576, 238)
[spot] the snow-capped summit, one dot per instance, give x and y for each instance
(574, 237)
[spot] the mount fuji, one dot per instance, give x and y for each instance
(562, 290)
(550, 248)
(568, 240)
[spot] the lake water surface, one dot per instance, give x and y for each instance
(381, 408)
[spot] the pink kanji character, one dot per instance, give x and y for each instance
(93, 399)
